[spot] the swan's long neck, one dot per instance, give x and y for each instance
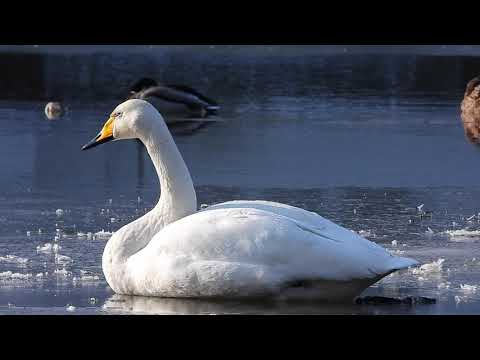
(177, 200)
(178, 197)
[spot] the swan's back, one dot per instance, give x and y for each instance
(226, 250)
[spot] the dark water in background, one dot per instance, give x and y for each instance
(360, 138)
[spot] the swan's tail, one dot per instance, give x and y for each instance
(399, 263)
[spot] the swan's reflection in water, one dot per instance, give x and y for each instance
(122, 304)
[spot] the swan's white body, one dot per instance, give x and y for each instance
(237, 248)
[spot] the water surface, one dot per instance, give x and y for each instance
(362, 139)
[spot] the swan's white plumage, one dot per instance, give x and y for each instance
(237, 248)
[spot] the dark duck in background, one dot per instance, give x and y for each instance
(174, 102)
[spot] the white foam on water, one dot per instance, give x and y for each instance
(469, 288)
(458, 299)
(433, 267)
(71, 308)
(59, 212)
(13, 259)
(394, 243)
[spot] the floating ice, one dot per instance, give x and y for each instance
(8, 275)
(71, 308)
(366, 233)
(433, 267)
(62, 272)
(62, 259)
(13, 259)
(45, 248)
(89, 278)
(462, 233)
(469, 288)
(59, 212)
(445, 285)
(103, 235)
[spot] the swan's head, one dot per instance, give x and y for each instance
(130, 120)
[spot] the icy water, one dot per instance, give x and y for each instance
(360, 139)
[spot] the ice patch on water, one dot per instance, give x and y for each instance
(463, 234)
(62, 272)
(45, 248)
(88, 236)
(13, 259)
(445, 285)
(62, 259)
(469, 288)
(48, 248)
(366, 233)
(103, 235)
(433, 267)
(8, 275)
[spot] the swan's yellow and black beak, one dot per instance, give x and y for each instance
(103, 136)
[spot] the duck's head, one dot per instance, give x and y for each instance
(142, 84)
(473, 88)
(131, 119)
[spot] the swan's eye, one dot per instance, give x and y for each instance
(117, 114)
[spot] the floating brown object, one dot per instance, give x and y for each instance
(470, 110)
(54, 110)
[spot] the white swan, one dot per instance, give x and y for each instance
(233, 249)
